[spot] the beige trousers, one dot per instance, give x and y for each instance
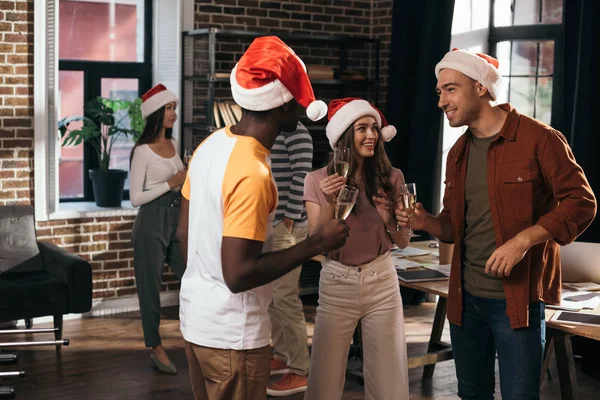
(288, 327)
(368, 293)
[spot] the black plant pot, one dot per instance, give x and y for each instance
(108, 186)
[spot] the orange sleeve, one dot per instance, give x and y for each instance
(247, 207)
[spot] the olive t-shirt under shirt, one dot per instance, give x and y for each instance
(480, 240)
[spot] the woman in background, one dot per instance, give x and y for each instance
(359, 281)
(157, 174)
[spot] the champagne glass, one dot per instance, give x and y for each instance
(409, 199)
(345, 201)
(187, 157)
(341, 161)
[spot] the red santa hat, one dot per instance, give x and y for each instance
(481, 67)
(270, 74)
(155, 98)
(343, 113)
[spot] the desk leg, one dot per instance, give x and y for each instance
(566, 364)
(436, 333)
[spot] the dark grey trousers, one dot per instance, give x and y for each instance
(155, 241)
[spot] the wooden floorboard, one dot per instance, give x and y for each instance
(107, 360)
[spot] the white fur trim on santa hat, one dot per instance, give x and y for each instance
(474, 67)
(266, 97)
(345, 116)
(155, 102)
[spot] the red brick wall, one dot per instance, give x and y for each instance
(105, 242)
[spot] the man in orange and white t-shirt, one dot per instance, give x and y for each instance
(226, 216)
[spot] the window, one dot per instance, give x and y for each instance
(104, 50)
(58, 93)
(526, 38)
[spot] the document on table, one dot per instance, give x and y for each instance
(410, 252)
(577, 300)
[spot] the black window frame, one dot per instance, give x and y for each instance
(537, 32)
(93, 73)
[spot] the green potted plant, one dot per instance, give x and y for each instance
(101, 128)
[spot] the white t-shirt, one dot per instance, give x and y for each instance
(232, 193)
(149, 174)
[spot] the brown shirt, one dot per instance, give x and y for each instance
(480, 241)
(367, 239)
(532, 178)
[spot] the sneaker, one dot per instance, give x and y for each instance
(288, 385)
(279, 367)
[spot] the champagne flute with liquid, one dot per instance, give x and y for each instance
(341, 161)
(187, 157)
(345, 201)
(409, 199)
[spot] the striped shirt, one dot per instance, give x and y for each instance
(291, 160)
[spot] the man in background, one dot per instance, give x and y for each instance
(291, 160)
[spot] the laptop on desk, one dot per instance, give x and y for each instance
(580, 262)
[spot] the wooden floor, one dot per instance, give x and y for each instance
(107, 360)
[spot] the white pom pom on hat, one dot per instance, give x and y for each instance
(343, 113)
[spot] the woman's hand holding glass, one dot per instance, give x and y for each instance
(331, 187)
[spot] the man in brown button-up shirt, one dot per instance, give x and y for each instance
(507, 212)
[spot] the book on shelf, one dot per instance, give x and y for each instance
(226, 112)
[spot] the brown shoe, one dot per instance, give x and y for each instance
(288, 385)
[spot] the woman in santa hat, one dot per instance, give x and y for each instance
(359, 282)
(157, 174)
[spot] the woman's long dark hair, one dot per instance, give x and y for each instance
(154, 124)
(376, 170)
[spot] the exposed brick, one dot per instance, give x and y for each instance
(43, 232)
(109, 255)
(126, 273)
(15, 184)
(4, 195)
(25, 6)
(100, 237)
(126, 291)
(124, 226)
(67, 230)
(121, 283)
(104, 275)
(76, 239)
(88, 248)
(94, 228)
(7, 5)
(124, 236)
(6, 69)
(16, 122)
(270, 4)
(7, 153)
(20, 59)
(116, 265)
(15, 164)
(125, 254)
(119, 245)
(15, 38)
(100, 285)
(7, 174)
(7, 112)
(22, 174)
(103, 294)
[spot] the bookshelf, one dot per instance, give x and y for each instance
(339, 66)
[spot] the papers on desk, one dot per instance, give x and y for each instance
(409, 252)
(575, 301)
(584, 286)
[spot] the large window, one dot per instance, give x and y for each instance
(104, 50)
(526, 37)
